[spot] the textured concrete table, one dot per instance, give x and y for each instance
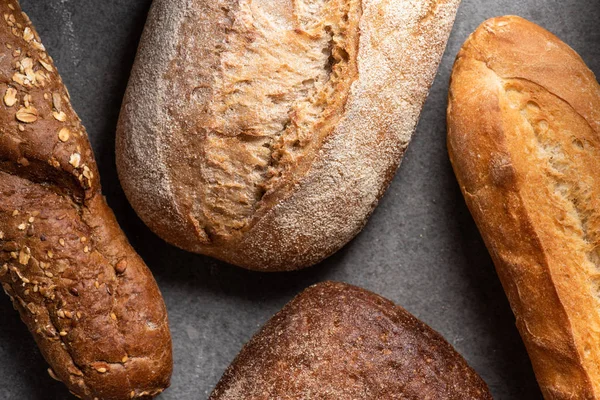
(420, 249)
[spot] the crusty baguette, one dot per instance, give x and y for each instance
(264, 132)
(523, 137)
(90, 302)
(339, 342)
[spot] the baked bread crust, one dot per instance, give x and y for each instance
(328, 189)
(336, 341)
(90, 302)
(523, 125)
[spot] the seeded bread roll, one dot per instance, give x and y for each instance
(339, 342)
(264, 132)
(524, 140)
(90, 302)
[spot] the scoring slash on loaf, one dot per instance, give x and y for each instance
(264, 132)
(339, 342)
(90, 302)
(524, 140)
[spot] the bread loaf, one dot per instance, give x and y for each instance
(91, 304)
(339, 342)
(523, 137)
(264, 132)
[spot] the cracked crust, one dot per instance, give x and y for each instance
(312, 190)
(339, 342)
(90, 302)
(523, 137)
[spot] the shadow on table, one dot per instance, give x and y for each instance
(21, 354)
(206, 274)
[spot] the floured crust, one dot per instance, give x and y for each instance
(523, 125)
(339, 342)
(324, 198)
(88, 299)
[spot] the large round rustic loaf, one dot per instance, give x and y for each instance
(339, 342)
(264, 132)
(524, 140)
(90, 302)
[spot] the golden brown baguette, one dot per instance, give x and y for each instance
(264, 132)
(340, 342)
(90, 302)
(523, 137)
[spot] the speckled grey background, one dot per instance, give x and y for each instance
(420, 248)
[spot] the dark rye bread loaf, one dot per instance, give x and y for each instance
(90, 302)
(339, 342)
(524, 140)
(264, 132)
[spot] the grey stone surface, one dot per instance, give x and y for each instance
(420, 249)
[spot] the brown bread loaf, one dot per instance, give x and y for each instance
(264, 132)
(523, 137)
(339, 342)
(90, 302)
